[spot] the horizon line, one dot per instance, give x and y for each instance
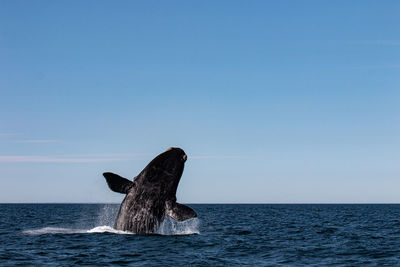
(220, 203)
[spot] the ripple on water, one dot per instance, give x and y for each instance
(231, 235)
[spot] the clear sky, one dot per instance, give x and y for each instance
(273, 101)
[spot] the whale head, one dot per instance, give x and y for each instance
(166, 169)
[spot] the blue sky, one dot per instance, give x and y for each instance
(273, 101)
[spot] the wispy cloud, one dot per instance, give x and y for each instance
(7, 134)
(60, 159)
(44, 159)
(111, 155)
(93, 158)
(216, 157)
(36, 141)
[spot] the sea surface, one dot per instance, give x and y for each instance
(222, 235)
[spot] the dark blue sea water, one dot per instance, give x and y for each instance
(223, 235)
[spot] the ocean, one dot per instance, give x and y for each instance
(222, 235)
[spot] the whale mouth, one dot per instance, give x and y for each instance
(184, 158)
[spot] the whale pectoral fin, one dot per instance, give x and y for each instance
(180, 212)
(117, 183)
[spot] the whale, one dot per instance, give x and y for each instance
(151, 195)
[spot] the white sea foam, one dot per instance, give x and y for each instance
(108, 229)
(53, 230)
(59, 230)
(167, 227)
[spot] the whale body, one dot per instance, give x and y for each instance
(151, 195)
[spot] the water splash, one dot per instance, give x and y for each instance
(105, 221)
(172, 227)
(107, 214)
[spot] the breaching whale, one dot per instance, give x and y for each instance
(151, 195)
